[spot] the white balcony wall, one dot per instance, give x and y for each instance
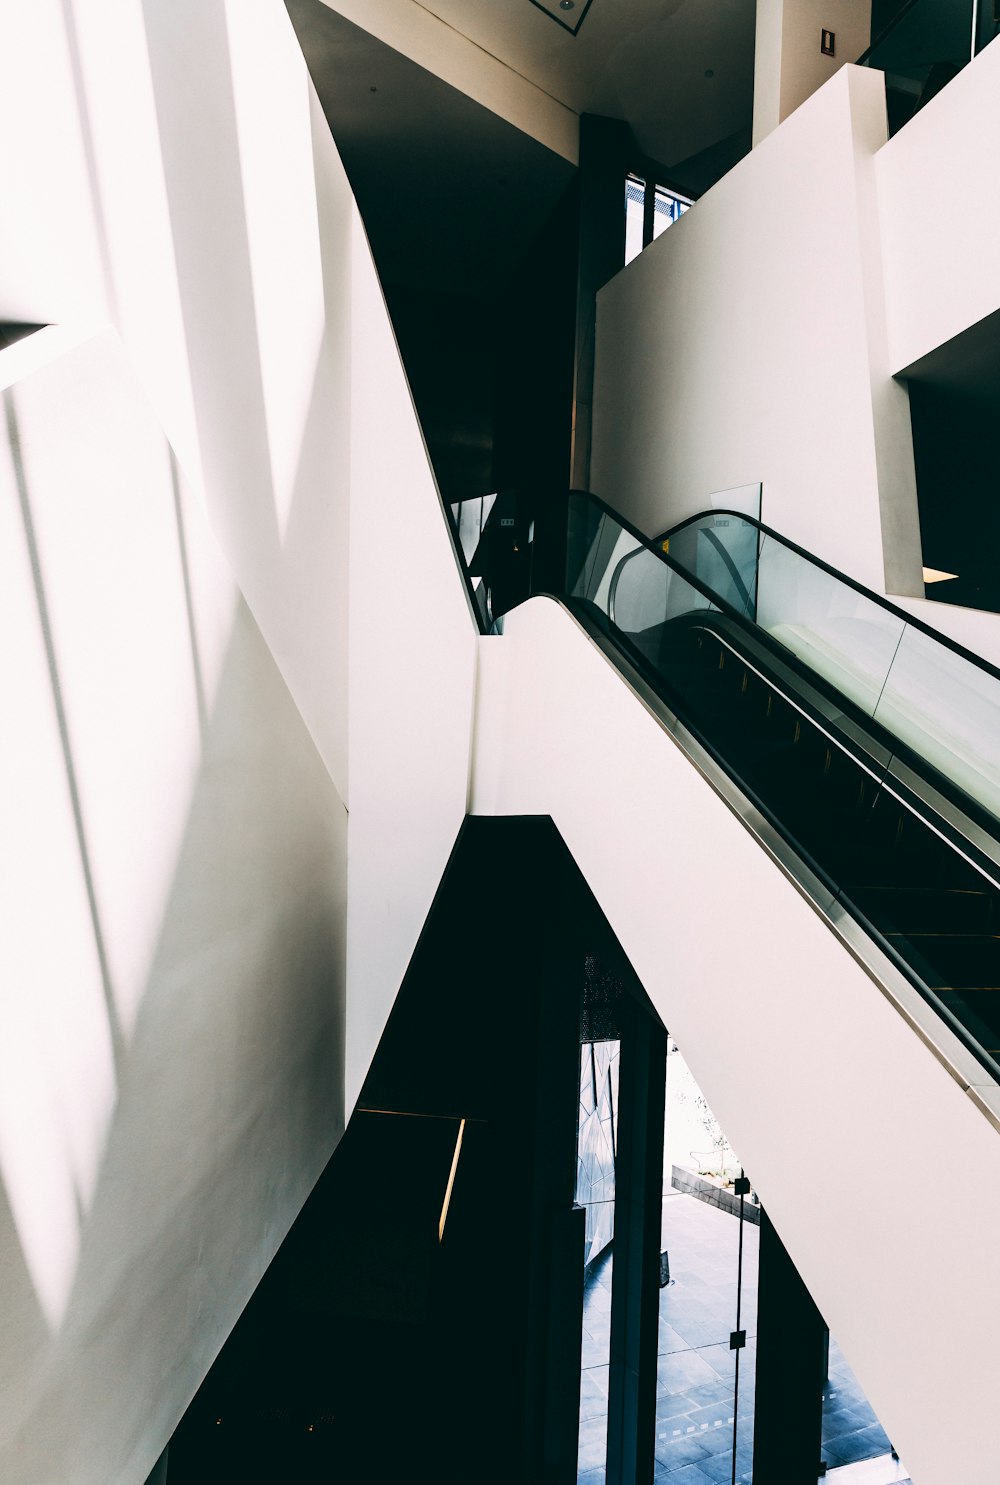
(173, 952)
(839, 1112)
(748, 344)
(939, 192)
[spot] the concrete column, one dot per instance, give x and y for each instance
(792, 1342)
(635, 1290)
(603, 160)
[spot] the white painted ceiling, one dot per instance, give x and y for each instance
(644, 61)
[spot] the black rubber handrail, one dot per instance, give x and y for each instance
(714, 599)
(886, 32)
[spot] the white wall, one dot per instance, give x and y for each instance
(412, 677)
(167, 167)
(789, 64)
(939, 192)
(801, 1058)
(214, 977)
(215, 225)
(748, 343)
(173, 960)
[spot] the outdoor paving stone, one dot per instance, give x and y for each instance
(695, 1381)
(594, 1381)
(688, 1474)
(698, 1333)
(713, 1414)
(838, 1420)
(718, 1468)
(719, 1440)
(720, 1358)
(593, 1448)
(865, 1443)
(683, 1370)
(672, 1453)
(707, 1393)
(672, 1405)
(668, 1339)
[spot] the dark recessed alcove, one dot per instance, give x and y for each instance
(13, 330)
(376, 1350)
(955, 415)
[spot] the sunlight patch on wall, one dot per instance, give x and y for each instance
(130, 205)
(282, 226)
(123, 608)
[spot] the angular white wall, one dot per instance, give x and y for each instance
(939, 192)
(174, 890)
(189, 1047)
(802, 1058)
(412, 677)
(748, 343)
(168, 169)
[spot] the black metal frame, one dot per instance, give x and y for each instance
(649, 175)
(565, 24)
(886, 32)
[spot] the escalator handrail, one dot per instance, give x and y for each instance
(886, 32)
(645, 544)
(944, 640)
(928, 994)
(969, 807)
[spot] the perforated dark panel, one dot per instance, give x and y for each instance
(602, 995)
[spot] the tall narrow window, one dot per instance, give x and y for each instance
(635, 193)
(649, 210)
(668, 208)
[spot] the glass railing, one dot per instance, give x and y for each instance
(870, 743)
(924, 46)
(941, 703)
(812, 694)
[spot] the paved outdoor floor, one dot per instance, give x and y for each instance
(696, 1369)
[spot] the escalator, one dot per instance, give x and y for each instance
(867, 741)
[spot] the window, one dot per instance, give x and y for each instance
(649, 210)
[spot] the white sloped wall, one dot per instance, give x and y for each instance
(877, 1168)
(173, 888)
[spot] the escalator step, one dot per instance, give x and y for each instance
(978, 1009)
(945, 909)
(887, 867)
(955, 960)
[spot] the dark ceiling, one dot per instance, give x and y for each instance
(453, 194)
(968, 364)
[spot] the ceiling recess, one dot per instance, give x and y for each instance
(570, 16)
